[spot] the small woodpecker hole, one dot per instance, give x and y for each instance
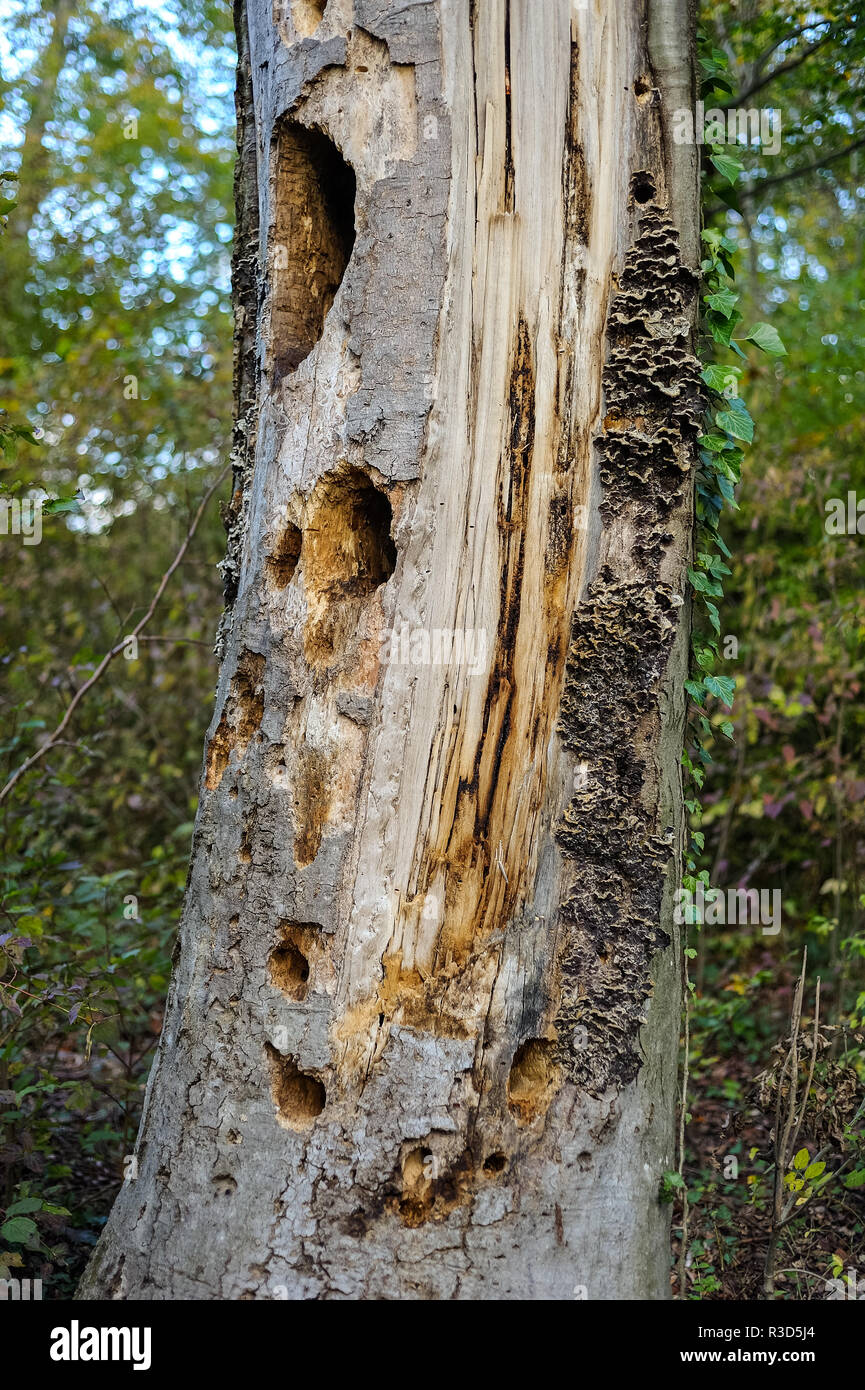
(532, 1080)
(643, 187)
(494, 1163)
(224, 1185)
(289, 970)
(350, 547)
(240, 718)
(289, 961)
(282, 561)
(348, 552)
(298, 1097)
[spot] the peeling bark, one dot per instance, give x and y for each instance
(422, 1032)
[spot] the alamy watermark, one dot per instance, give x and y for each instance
(738, 906)
(77, 1343)
(437, 646)
(736, 125)
(846, 1287)
(20, 1290)
(21, 516)
(845, 518)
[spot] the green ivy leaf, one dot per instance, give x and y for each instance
(720, 378)
(722, 687)
(736, 421)
(713, 442)
(704, 583)
(18, 1229)
(728, 167)
(58, 506)
(25, 1204)
(722, 328)
(723, 302)
(767, 338)
(726, 488)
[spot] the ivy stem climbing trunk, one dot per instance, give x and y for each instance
(422, 1034)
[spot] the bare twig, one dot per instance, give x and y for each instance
(782, 1140)
(115, 651)
(755, 190)
(792, 63)
(175, 641)
(814, 1047)
(683, 1248)
(687, 995)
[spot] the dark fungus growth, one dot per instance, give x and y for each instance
(652, 385)
(619, 648)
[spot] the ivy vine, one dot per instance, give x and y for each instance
(728, 429)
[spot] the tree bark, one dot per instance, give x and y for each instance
(422, 1033)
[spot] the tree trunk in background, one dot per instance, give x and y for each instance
(421, 1040)
(35, 178)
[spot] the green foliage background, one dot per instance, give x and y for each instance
(115, 289)
(782, 805)
(116, 350)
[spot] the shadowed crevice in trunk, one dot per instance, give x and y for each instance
(312, 240)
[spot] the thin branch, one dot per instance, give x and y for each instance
(784, 1151)
(755, 189)
(187, 641)
(814, 1046)
(760, 63)
(115, 651)
(805, 168)
(683, 1248)
(789, 66)
(107, 592)
(782, 1141)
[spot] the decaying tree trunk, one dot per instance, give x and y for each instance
(421, 1039)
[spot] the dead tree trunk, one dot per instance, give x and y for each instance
(421, 1039)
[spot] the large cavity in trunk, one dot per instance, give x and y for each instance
(313, 236)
